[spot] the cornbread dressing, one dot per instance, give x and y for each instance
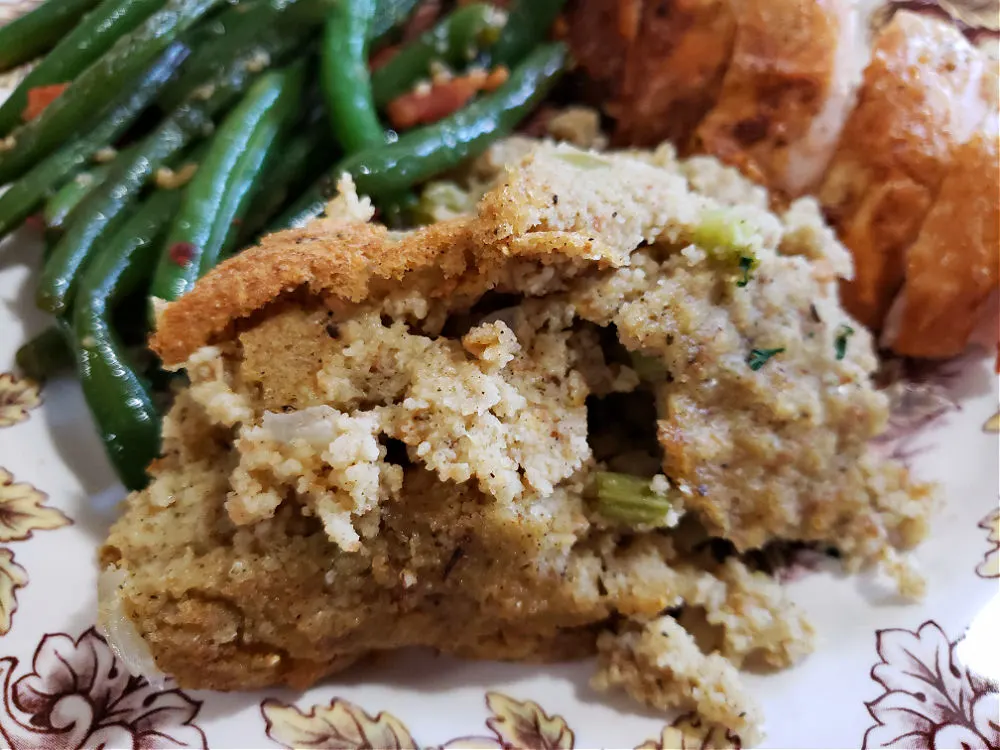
(392, 439)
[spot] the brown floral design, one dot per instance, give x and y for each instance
(338, 725)
(975, 13)
(930, 698)
(513, 723)
(12, 577)
(17, 397)
(21, 513)
(341, 724)
(920, 396)
(79, 695)
(689, 732)
(990, 566)
(993, 423)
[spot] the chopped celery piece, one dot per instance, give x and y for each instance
(632, 500)
(720, 229)
(728, 238)
(583, 159)
(649, 369)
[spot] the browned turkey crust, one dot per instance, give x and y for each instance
(919, 102)
(953, 266)
(785, 68)
(673, 70)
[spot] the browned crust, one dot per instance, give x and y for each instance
(954, 265)
(599, 47)
(779, 76)
(674, 70)
(346, 264)
(342, 264)
(895, 150)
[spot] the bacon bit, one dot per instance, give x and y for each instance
(429, 104)
(497, 78)
(35, 222)
(41, 97)
(181, 253)
(382, 57)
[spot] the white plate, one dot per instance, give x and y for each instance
(886, 674)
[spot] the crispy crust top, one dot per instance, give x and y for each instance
(336, 262)
(522, 220)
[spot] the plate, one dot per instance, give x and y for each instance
(886, 673)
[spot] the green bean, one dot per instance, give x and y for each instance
(121, 404)
(221, 188)
(27, 194)
(528, 24)
(46, 355)
(248, 178)
(27, 37)
(388, 15)
(633, 500)
(397, 211)
(90, 39)
(90, 95)
(61, 204)
(259, 34)
(106, 206)
(424, 152)
(454, 41)
(304, 158)
(345, 77)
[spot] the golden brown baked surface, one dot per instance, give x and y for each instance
(393, 440)
(919, 101)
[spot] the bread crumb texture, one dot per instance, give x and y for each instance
(390, 439)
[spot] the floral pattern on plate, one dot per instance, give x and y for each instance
(990, 566)
(931, 700)
(513, 723)
(79, 695)
(17, 397)
(341, 724)
(21, 513)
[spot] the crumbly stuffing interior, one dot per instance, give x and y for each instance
(400, 447)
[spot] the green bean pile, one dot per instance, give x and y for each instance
(172, 133)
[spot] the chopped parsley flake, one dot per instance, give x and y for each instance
(840, 342)
(747, 264)
(759, 357)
